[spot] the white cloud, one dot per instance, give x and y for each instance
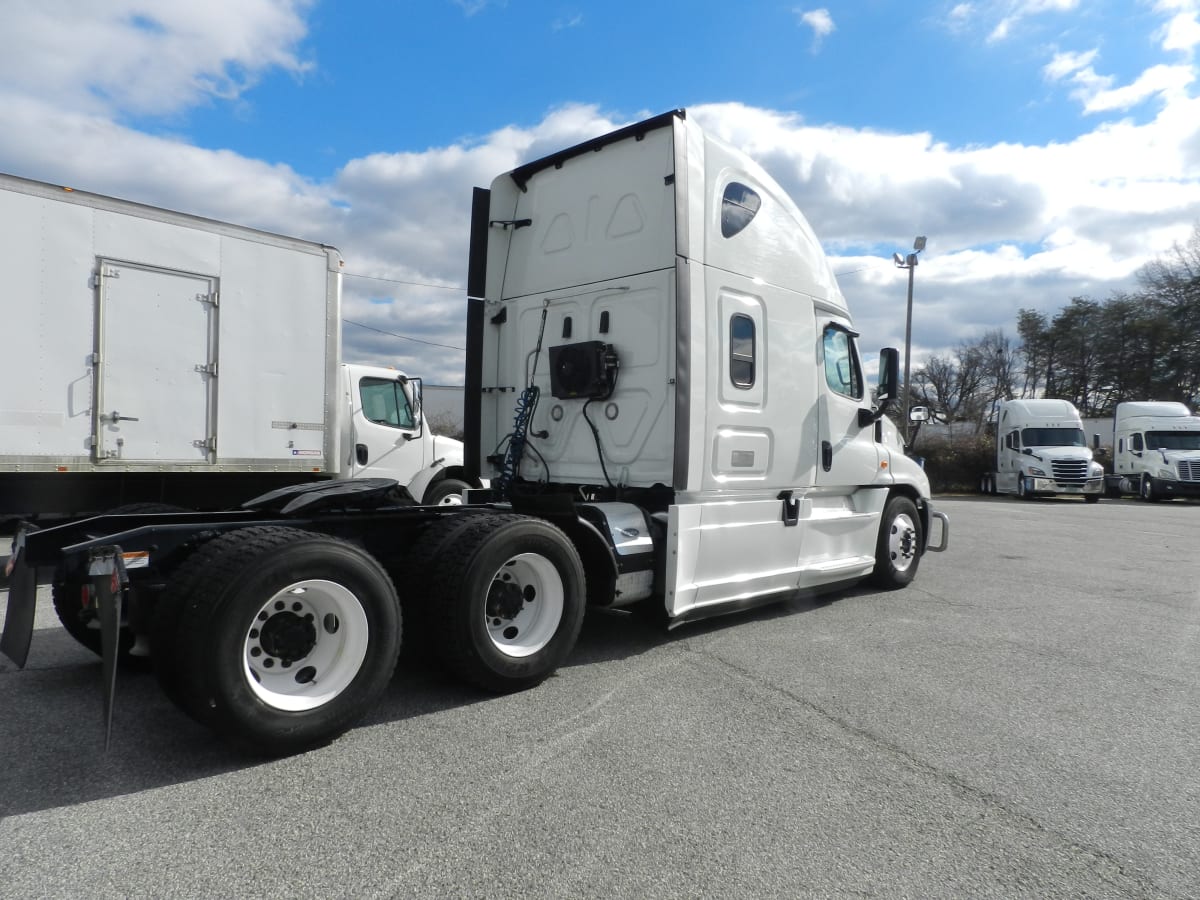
(1011, 13)
(146, 56)
(1183, 31)
(565, 22)
(820, 21)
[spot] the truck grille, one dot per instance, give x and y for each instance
(1189, 470)
(1070, 471)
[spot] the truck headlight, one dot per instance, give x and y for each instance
(1034, 470)
(1096, 469)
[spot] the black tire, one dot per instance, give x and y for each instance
(1022, 494)
(899, 545)
(507, 599)
(1091, 498)
(422, 559)
(81, 622)
(447, 491)
(280, 638)
(1146, 489)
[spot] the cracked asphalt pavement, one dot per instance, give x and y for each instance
(1023, 721)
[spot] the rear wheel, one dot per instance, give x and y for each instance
(507, 601)
(74, 606)
(279, 637)
(898, 547)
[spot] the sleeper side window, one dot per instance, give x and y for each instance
(741, 350)
(385, 403)
(843, 373)
(739, 204)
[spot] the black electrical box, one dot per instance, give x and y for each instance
(581, 370)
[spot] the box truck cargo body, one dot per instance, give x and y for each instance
(664, 388)
(158, 356)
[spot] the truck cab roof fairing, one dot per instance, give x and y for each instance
(522, 174)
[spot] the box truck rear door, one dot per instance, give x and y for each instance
(156, 368)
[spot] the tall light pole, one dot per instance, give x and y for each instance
(909, 262)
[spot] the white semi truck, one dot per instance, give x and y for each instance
(157, 357)
(665, 387)
(1041, 451)
(1156, 451)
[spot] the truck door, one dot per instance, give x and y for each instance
(847, 454)
(156, 354)
(387, 429)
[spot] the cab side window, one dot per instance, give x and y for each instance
(1135, 444)
(385, 403)
(843, 373)
(741, 350)
(739, 204)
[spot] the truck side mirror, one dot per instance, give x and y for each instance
(918, 414)
(885, 394)
(889, 375)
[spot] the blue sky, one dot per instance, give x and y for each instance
(1048, 148)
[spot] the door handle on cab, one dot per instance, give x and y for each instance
(360, 454)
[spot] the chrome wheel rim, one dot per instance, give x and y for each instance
(902, 543)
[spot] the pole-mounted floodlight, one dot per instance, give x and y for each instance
(910, 263)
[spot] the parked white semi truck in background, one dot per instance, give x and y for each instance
(159, 357)
(1156, 451)
(1041, 450)
(665, 387)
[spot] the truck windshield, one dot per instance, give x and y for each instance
(1173, 440)
(1053, 437)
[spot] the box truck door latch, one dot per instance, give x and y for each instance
(511, 223)
(114, 417)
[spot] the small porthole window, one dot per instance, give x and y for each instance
(741, 351)
(738, 206)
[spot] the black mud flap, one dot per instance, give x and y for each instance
(106, 568)
(22, 601)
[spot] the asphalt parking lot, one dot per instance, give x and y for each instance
(1023, 721)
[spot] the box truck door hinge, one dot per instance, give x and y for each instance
(214, 298)
(208, 443)
(207, 368)
(511, 223)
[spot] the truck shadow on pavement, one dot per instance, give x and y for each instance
(52, 750)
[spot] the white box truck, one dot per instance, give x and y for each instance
(1156, 451)
(664, 385)
(1041, 451)
(157, 357)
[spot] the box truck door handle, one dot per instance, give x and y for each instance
(360, 454)
(115, 417)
